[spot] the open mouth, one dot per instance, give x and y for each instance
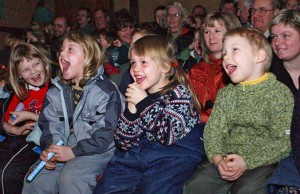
(36, 78)
(65, 65)
(139, 79)
(230, 68)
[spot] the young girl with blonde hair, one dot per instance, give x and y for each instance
(29, 77)
(158, 136)
(82, 110)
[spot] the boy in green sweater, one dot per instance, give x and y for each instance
(248, 130)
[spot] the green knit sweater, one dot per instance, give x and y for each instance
(252, 121)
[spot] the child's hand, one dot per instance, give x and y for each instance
(235, 161)
(23, 130)
(61, 153)
(50, 165)
(134, 93)
(227, 173)
(224, 170)
(23, 116)
(117, 43)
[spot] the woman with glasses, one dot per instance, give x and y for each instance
(182, 35)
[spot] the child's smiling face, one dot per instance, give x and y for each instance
(32, 71)
(71, 61)
(241, 61)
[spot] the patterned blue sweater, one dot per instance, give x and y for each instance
(165, 118)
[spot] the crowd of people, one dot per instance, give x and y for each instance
(193, 102)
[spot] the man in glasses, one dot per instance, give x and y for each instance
(262, 13)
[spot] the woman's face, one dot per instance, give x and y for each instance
(285, 42)
(213, 37)
(125, 33)
(174, 19)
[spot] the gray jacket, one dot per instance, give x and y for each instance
(94, 119)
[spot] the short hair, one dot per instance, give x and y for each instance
(88, 11)
(26, 51)
(289, 18)
(178, 5)
(228, 20)
(93, 55)
(256, 40)
(104, 11)
(223, 2)
(160, 7)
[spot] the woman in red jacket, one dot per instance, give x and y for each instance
(208, 77)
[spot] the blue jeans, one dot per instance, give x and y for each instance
(151, 168)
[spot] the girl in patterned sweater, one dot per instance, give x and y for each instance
(158, 136)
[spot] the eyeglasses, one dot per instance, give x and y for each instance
(169, 15)
(260, 11)
(124, 28)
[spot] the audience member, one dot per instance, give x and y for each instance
(42, 13)
(62, 25)
(195, 55)
(182, 36)
(158, 137)
(262, 13)
(160, 23)
(82, 91)
(208, 77)
(228, 6)
(243, 7)
(248, 116)
(84, 20)
(101, 18)
(285, 33)
(199, 19)
(199, 10)
(29, 77)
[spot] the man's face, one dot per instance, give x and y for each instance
(82, 18)
(60, 26)
(100, 20)
(263, 15)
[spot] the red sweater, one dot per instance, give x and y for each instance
(207, 79)
(32, 103)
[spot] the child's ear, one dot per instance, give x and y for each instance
(261, 56)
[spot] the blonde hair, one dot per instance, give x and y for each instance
(256, 40)
(93, 55)
(290, 18)
(162, 50)
(225, 19)
(23, 52)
